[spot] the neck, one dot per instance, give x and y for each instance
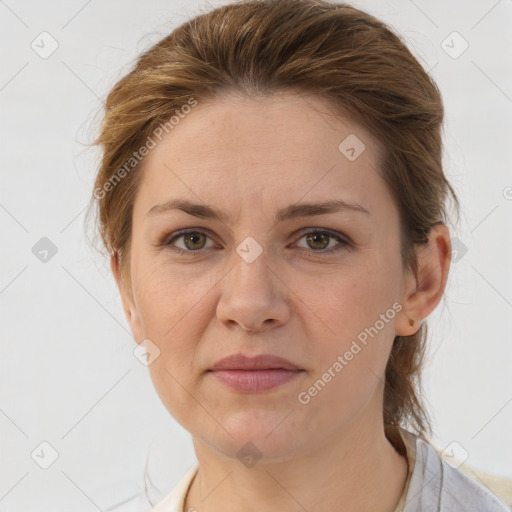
(358, 470)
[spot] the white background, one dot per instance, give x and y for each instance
(68, 374)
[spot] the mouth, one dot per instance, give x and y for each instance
(254, 374)
(255, 380)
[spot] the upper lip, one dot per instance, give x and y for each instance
(259, 362)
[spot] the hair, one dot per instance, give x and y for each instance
(261, 47)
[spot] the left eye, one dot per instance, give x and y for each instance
(318, 241)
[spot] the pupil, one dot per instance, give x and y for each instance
(192, 237)
(314, 237)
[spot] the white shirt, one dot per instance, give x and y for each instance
(432, 485)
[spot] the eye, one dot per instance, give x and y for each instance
(193, 241)
(318, 241)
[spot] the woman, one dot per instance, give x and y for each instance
(273, 199)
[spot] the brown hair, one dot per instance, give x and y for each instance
(258, 47)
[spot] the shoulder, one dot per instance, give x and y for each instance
(437, 486)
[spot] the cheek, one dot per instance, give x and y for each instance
(169, 299)
(174, 310)
(348, 299)
(358, 324)
(350, 366)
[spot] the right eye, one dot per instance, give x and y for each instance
(193, 241)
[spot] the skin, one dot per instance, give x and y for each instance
(250, 157)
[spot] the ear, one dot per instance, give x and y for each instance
(126, 293)
(422, 294)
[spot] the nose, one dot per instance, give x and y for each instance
(253, 297)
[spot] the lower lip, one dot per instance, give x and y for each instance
(255, 380)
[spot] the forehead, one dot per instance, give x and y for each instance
(236, 147)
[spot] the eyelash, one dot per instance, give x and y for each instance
(345, 243)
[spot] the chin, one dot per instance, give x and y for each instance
(261, 435)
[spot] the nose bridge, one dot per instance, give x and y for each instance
(252, 267)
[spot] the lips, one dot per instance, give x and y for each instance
(255, 374)
(259, 362)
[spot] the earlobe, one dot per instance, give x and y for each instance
(423, 294)
(405, 325)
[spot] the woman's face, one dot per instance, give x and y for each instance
(258, 280)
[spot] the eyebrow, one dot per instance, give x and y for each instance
(292, 211)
